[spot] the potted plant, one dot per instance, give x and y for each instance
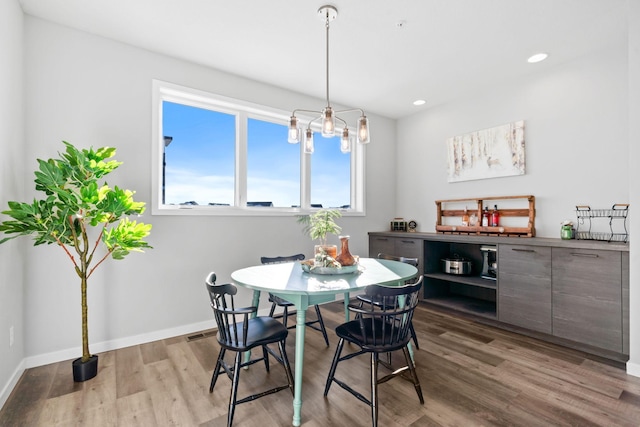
(79, 214)
(318, 225)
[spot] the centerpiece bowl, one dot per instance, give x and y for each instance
(309, 266)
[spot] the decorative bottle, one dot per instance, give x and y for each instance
(485, 217)
(465, 218)
(495, 216)
(345, 258)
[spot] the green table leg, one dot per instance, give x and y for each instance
(346, 306)
(301, 314)
(255, 303)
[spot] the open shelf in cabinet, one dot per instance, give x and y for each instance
(468, 293)
(465, 280)
(529, 213)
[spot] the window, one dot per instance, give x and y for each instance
(220, 156)
(199, 155)
(273, 168)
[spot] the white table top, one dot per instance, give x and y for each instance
(289, 278)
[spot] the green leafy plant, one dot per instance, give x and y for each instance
(75, 203)
(321, 223)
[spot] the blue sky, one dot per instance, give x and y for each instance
(200, 161)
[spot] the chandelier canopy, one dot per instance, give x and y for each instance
(328, 116)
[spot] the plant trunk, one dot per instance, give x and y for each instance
(84, 270)
(85, 326)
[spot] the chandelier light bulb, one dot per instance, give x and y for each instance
(345, 144)
(308, 142)
(328, 123)
(294, 132)
(295, 135)
(363, 130)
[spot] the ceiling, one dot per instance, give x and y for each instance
(383, 54)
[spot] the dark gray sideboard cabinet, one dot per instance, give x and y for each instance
(571, 292)
(524, 291)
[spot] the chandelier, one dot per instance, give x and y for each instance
(328, 117)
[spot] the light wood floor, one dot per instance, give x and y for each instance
(471, 375)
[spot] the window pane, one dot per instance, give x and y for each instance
(199, 160)
(330, 173)
(273, 166)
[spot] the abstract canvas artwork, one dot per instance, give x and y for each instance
(487, 153)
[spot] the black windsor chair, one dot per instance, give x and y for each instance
(285, 305)
(365, 299)
(242, 336)
(379, 329)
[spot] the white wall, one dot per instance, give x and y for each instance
(11, 188)
(633, 366)
(576, 141)
(92, 91)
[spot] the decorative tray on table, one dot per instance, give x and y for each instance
(309, 267)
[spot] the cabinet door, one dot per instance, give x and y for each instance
(381, 244)
(524, 286)
(587, 296)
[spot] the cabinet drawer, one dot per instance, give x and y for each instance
(587, 272)
(524, 260)
(410, 248)
(380, 244)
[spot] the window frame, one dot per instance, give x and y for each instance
(243, 110)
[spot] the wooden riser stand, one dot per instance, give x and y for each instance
(529, 213)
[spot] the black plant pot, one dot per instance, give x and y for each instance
(85, 371)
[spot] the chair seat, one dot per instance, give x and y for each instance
(376, 336)
(262, 330)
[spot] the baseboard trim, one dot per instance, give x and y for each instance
(10, 385)
(100, 347)
(633, 369)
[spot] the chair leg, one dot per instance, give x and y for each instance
(414, 336)
(234, 389)
(374, 389)
(359, 306)
(414, 374)
(216, 371)
(273, 309)
(265, 355)
(334, 364)
(287, 366)
(322, 328)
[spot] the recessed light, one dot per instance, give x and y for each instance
(419, 102)
(537, 57)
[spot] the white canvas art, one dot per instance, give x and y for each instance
(487, 153)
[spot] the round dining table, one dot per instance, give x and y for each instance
(304, 289)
